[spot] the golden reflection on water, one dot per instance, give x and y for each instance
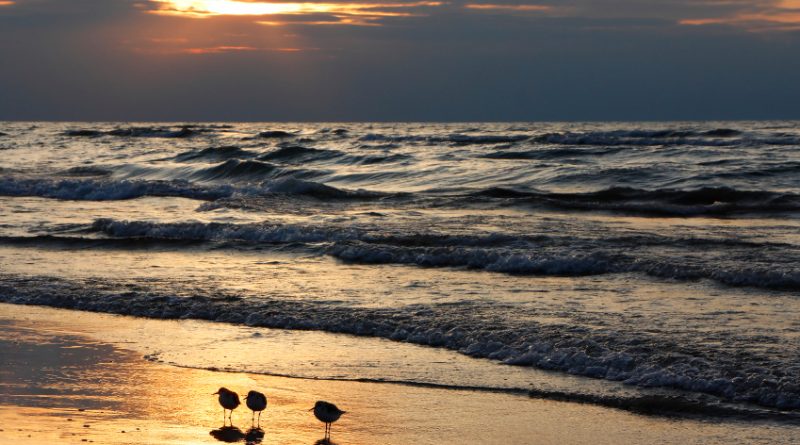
(112, 396)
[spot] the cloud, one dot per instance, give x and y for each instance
(756, 16)
(342, 13)
(399, 60)
(508, 8)
(236, 49)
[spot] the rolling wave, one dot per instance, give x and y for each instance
(707, 201)
(456, 138)
(275, 134)
(89, 189)
(259, 178)
(142, 132)
(249, 170)
(552, 153)
(88, 171)
(720, 137)
(299, 153)
(569, 261)
(738, 263)
(97, 189)
(214, 154)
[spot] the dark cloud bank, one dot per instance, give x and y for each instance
(574, 60)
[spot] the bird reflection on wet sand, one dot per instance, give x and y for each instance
(254, 436)
(232, 434)
(228, 434)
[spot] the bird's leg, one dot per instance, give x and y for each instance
(223, 416)
(259, 419)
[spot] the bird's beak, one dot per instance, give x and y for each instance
(213, 394)
(312, 409)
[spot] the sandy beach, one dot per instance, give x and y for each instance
(62, 382)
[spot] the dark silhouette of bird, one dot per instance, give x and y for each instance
(228, 434)
(327, 413)
(256, 401)
(229, 400)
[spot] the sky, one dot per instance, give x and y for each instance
(459, 60)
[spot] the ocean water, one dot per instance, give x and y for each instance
(648, 266)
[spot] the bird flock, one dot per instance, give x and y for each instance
(325, 412)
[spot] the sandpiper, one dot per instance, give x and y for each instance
(256, 401)
(229, 400)
(327, 413)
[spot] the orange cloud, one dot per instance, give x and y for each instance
(228, 49)
(497, 7)
(210, 8)
(344, 13)
(335, 20)
(219, 49)
(7, 3)
(778, 15)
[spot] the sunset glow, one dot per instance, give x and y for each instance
(518, 8)
(209, 8)
(782, 15)
(397, 59)
(235, 49)
(219, 49)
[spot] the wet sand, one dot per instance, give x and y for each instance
(63, 382)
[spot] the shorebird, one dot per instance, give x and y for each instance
(229, 400)
(256, 402)
(327, 413)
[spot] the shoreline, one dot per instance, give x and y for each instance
(61, 368)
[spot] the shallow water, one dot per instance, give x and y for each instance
(70, 377)
(635, 259)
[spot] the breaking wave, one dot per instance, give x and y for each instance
(569, 262)
(500, 253)
(474, 329)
